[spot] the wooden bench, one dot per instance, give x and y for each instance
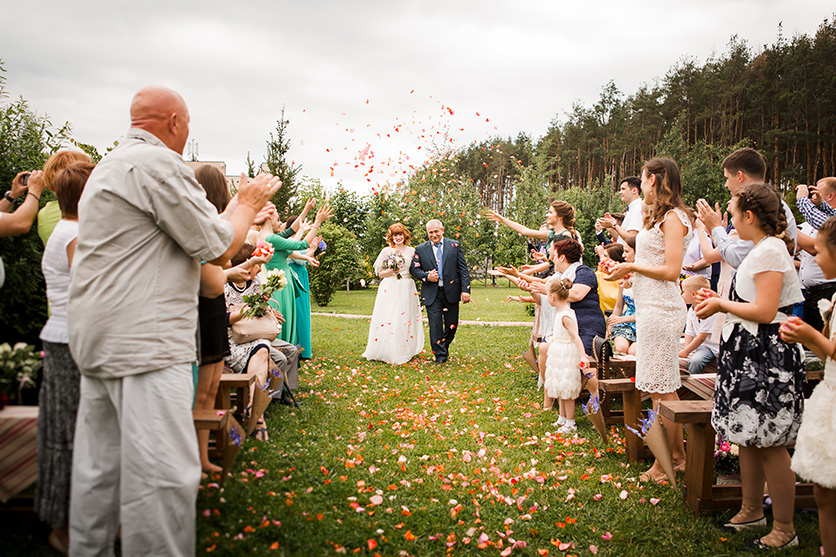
(240, 383)
(632, 398)
(213, 420)
(694, 387)
(700, 492)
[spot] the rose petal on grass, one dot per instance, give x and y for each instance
(623, 494)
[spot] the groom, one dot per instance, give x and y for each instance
(440, 265)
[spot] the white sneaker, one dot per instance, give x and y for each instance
(567, 429)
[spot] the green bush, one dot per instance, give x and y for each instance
(340, 261)
(26, 140)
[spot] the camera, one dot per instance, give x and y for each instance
(26, 179)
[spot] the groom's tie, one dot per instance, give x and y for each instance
(438, 261)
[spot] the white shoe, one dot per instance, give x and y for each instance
(567, 429)
(539, 382)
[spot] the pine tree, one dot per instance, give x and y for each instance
(278, 165)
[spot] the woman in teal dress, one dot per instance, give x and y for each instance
(299, 261)
(285, 298)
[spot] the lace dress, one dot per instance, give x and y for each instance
(815, 453)
(759, 393)
(396, 332)
(660, 314)
(563, 376)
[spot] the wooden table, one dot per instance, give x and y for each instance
(18, 449)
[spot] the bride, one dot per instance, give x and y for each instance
(396, 333)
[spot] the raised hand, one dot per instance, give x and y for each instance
(257, 191)
(711, 218)
(324, 213)
(493, 216)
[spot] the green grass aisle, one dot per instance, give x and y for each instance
(432, 460)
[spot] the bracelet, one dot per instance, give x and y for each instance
(33, 195)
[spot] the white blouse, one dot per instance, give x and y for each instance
(56, 270)
(770, 254)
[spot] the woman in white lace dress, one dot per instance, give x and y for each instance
(396, 332)
(660, 311)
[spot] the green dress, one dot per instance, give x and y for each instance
(286, 297)
(303, 307)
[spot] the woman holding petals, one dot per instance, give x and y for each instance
(396, 333)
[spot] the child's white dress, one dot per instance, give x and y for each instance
(563, 376)
(815, 450)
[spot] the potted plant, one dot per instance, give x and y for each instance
(19, 368)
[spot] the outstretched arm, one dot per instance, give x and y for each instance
(524, 230)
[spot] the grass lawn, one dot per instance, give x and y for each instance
(489, 304)
(432, 460)
(429, 460)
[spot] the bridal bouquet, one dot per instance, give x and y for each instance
(394, 262)
(257, 302)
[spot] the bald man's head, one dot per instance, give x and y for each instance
(162, 112)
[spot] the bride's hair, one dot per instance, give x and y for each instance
(398, 228)
(560, 288)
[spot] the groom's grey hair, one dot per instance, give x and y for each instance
(435, 221)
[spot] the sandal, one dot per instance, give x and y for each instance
(646, 477)
(759, 543)
(740, 526)
(260, 431)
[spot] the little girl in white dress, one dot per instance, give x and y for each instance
(815, 453)
(566, 356)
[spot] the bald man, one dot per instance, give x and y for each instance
(145, 226)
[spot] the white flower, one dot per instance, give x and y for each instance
(20, 346)
(5, 347)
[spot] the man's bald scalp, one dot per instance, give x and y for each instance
(154, 103)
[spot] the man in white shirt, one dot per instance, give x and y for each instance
(630, 191)
(144, 227)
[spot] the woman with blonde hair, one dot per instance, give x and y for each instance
(396, 333)
(50, 214)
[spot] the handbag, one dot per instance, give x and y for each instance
(266, 327)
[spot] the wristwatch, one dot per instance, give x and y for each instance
(8, 197)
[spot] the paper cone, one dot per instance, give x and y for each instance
(260, 401)
(275, 383)
(597, 420)
(657, 440)
(235, 437)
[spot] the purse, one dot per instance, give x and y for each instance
(266, 327)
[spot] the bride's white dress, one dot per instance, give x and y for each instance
(396, 333)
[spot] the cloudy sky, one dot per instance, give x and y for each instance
(369, 87)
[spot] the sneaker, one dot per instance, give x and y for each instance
(567, 429)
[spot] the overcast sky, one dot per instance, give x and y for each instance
(374, 82)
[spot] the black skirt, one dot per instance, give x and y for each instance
(214, 343)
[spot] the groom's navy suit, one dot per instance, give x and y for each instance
(441, 298)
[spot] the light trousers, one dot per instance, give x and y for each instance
(135, 464)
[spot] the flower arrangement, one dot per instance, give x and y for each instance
(257, 303)
(19, 366)
(394, 262)
(725, 457)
